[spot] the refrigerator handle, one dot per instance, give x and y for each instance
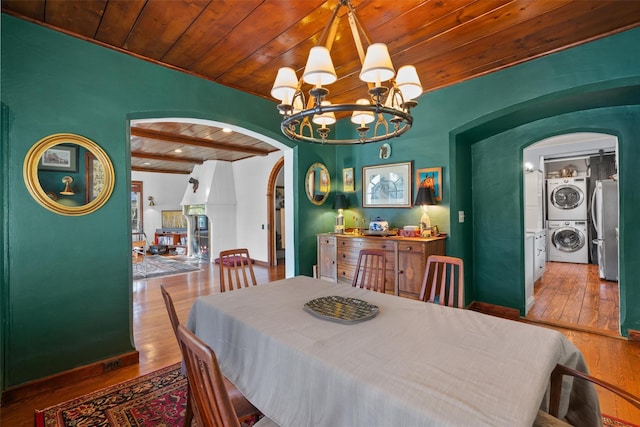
(593, 210)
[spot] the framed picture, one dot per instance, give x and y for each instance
(94, 176)
(387, 186)
(279, 197)
(347, 180)
(60, 158)
(324, 181)
(173, 219)
(430, 177)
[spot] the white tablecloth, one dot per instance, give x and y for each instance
(414, 364)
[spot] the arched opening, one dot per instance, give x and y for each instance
(276, 213)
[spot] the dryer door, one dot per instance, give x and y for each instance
(566, 197)
(567, 239)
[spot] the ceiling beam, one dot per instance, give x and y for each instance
(166, 158)
(198, 142)
(141, 169)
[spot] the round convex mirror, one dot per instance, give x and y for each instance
(318, 183)
(68, 174)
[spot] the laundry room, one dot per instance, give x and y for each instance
(571, 221)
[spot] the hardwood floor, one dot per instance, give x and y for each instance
(613, 359)
(574, 294)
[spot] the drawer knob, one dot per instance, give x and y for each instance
(401, 272)
(408, 248)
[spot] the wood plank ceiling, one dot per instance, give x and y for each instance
(242, 43)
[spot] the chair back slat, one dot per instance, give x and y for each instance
(370, 270)
(236, 270)
(443, 281)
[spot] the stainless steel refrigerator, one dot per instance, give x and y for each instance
(604, 214)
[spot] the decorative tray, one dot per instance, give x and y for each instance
(341, 309)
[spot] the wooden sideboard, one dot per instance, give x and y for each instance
(406, 259)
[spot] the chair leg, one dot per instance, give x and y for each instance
(188, 415)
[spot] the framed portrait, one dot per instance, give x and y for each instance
(347, 180)
(279, 198)
(430, 177)
(387, 186)
(60, 157)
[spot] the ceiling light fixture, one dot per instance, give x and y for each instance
(389, 108)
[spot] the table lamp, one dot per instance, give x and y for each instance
(425, 197)
(340, 203)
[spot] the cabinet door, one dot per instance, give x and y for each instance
(327, 268)
(411, 266)
(412, 263)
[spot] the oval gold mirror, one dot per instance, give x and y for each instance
(318, 183)
(68, 174)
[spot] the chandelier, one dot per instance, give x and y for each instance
(385, 109)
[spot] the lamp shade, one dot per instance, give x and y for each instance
(324, 119)
(340, 202)
(425, 196)
(408, 82)
(362, 117)
(285, 85)
(377, 66)
(319, 69)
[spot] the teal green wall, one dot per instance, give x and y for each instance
(68, 279)
(66, 290)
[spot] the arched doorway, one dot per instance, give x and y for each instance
(276, 213)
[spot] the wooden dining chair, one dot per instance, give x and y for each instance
(244, 409)
(443, 279)
(556, 388)
(370, 270)
(212, 403)
(236, 270)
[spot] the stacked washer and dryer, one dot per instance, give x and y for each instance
(567, 219)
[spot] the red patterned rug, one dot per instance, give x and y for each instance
(157, 399)
(608, 421)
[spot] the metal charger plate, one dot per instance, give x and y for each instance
(341, 309)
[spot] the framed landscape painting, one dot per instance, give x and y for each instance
(387, 186)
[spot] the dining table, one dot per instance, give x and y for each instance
(396, 362)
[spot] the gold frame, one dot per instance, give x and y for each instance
(324, 186)
(30, 174)
(348, 180)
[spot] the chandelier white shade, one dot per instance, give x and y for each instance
(285, 85)
(408, 82)
(377, 67)
(319, 70)
(389, 107)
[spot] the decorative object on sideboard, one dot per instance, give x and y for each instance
(67, 190)
(195, 183)
(390, 106)
(424, 198)
(151, 201)
(340, 202)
